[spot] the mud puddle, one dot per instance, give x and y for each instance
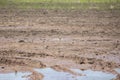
(94, 75)
(15, 76)
(51, 74)
(117, 70)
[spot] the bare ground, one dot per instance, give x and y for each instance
(64, 38)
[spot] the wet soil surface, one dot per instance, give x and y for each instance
(60, 39)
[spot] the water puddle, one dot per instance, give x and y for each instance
(117, 70)
(51, 74)
(94, 75)
(14, 76)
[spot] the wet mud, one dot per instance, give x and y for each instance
(59, 39)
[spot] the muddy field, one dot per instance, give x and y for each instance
(60, 39)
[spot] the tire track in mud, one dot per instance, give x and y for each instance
(21, 58)
(34, 60)
(14, 33)
(21, 62)
(97, 64)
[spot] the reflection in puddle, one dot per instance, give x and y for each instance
(14, 76)
(51, 74)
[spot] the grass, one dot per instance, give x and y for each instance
(3, 3)
(66, 1)
(61, 4)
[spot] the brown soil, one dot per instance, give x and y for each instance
(68, 38)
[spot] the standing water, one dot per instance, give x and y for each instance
(117, 70)
(51, 74)
(15, 76)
